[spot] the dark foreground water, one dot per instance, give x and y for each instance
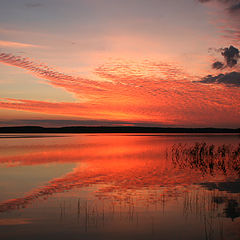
(120, 186)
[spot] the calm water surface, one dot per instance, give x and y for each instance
(120, 186)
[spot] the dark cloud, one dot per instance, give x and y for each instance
(230, 12)
(217, 65)
(232, 5)
(230, 79)
(234, 8)
(231, 56)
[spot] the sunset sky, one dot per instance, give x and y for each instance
(120, 62)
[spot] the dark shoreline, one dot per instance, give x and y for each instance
(118, 129)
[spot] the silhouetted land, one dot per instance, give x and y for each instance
(118, 129)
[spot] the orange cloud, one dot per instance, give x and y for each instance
(63, 108)
(134, 91)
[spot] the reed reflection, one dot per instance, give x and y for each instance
(209, 159)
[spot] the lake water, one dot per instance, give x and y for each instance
(120, 186)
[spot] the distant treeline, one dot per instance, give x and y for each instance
(115, 129)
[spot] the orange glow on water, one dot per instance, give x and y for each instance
(126, 182)
(121, 164)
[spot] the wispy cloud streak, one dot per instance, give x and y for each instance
(17, 44)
